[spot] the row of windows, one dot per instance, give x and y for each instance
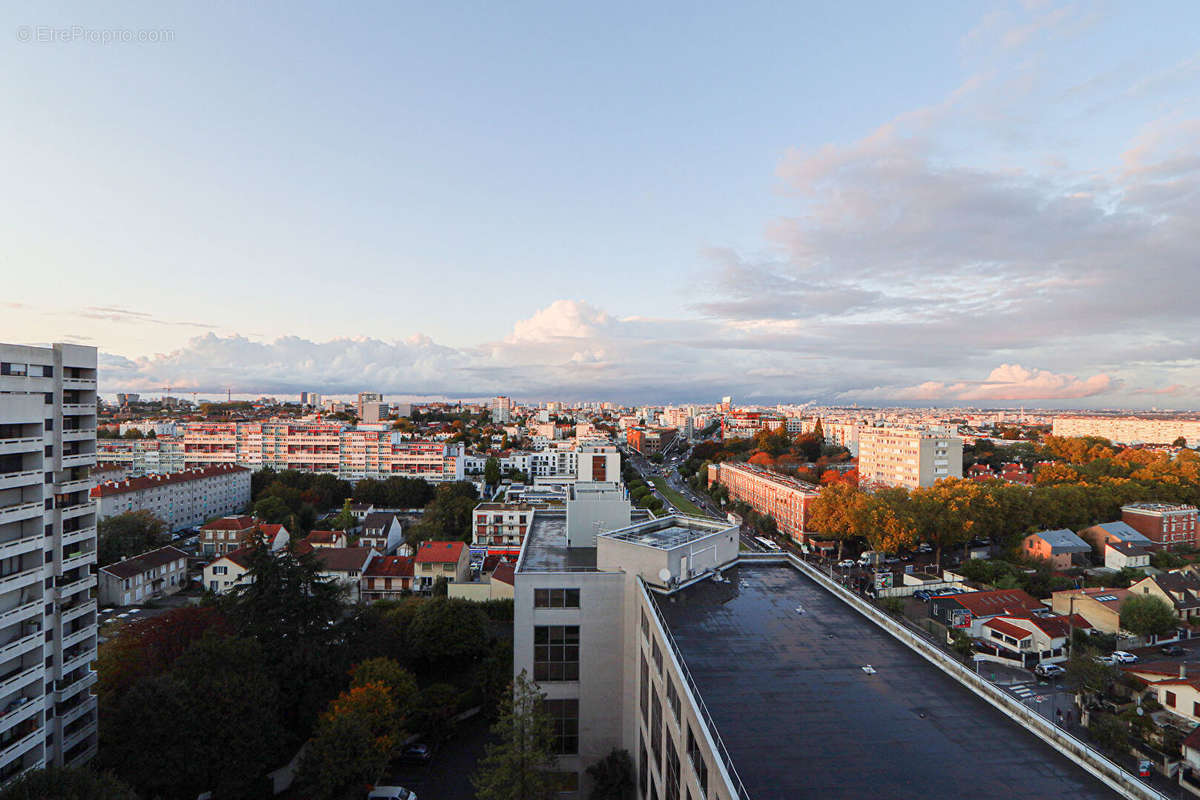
(556, 598)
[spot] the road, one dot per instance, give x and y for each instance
(646, 469)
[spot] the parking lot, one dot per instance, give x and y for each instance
(447, 776)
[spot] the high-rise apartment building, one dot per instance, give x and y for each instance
(364, 398)
(1130, 430)
(502, 409)
(47, 556)
(907, 457)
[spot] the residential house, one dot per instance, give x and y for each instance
(1038, 639)
(381, 530)
(386, 578)
(318, 539)
(1058, 547)
(133, 581)
(1179, 694)
(1180, 589)
(495, 582)
(1122, 555)
(1105, 532)
(360, 510)
(1101, 607)
(1189, 770)
(227, 571)
(346, 566)
(227, 534)
(449, 560)
(970, 610)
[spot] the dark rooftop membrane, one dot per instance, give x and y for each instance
(546, 546)
(778, 661)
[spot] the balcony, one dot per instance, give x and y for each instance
(84, 533)
(67, 691)
(20, 747)
(22, 511)
(19, 679)
(26, 643)
(11, 480)
(77, 559)
(32, 608)
(80, 485)
(79, 383)
(79, 460)
(77, 510)
(70, 612)
(76, 711)
(78, 408)
(71, 739)
(74, 587)
(76, 637)
(19, 580)
(78, 434)
(21, 444)
(28, 544)
(81, 659)
(82, 757)
(27, 710)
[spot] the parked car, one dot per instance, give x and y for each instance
(1109, 660)
(1124, 657)
(847, 563)
(1049, 671)
(417, 753)
(892, 560)
(1172, 650)
(924, 547)
(391, 793)
(922, 595)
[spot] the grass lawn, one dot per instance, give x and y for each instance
(677, 500)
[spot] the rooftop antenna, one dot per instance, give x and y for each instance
(228, 394)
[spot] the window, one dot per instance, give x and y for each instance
(556, 598)
(12, 369)
(556, 653)
(672, 698)
(1171, 699)
(642, 764)
(658, 657)
(671, 777)
(656, 728)
(564, 714)
(220, 570)
(644, 688)
(698, 765)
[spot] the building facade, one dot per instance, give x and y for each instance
(185, 499)
(1167, 525)
(137, 580)
(1129, 430)
(909, 458)
(785, 498)
(47, 556)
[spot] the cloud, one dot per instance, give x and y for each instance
(1007, 383)
(118, 314)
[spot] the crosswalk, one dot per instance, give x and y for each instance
(1023, 690)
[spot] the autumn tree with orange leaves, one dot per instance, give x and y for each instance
(352, 745)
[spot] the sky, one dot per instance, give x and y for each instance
(990, 204)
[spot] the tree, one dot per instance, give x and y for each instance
(67, 784)
(612, 777)
(1086, 672)
(837, 513)
(399, 681)
(272, 509)
(517, 766)
(354, 740)
(491, 471)
(1180, 441)
(434, 711)
(448, 516)
(127, 535)
(1147, 615)
(345, 519)
(447, 632)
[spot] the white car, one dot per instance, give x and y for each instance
(391, 793)
(847, 564)
(1049, 671)
(1124, 657)
(1108, 660)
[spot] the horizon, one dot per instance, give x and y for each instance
(896, 207)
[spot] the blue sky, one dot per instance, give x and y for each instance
(952, 203)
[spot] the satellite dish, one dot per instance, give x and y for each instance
(664, 575)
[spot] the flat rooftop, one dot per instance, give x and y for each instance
(666, 533)
(778, 661)
(546, 546)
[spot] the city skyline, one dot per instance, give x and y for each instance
(1001, 217)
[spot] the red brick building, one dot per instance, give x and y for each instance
(785, 498)
(1169, 525)
(649, 440)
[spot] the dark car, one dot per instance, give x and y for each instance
(1172, 650)
(418, 753)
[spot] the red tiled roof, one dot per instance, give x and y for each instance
(505, 573)
(1060, 626)
(242, 523)
(1192, 740)
(342, 559)
(439, 552)
(1004, 626)
(109, 488)
(390, 567)
(241, 557)
(997, 602)
(270, 529)
(322, 537)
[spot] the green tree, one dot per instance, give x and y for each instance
(399, 681)
(517, 765)
(272, 509)
(67, 784)
(434, 711)
(491, 471)
(1086, 672)
(448, 516)
(446, 632)
(1180, 441)
(1147, 615)
(128, 535)
(354, 740)
(345, 519)
(612, 777)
